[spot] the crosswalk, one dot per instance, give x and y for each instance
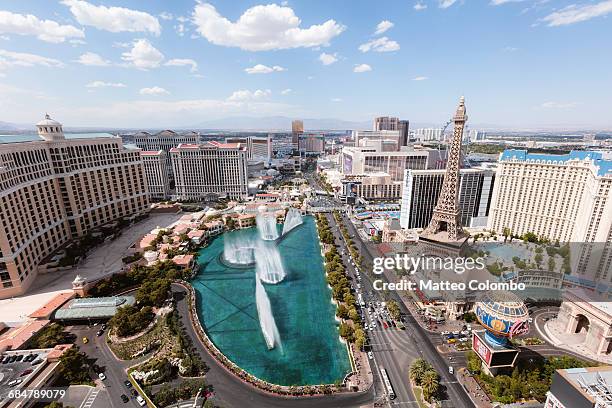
(91, 397)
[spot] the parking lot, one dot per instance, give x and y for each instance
(18, 367)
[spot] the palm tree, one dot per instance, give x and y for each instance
(506, 232)
(417, 370)
(430, 384)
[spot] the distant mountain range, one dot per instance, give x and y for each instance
(278, 123)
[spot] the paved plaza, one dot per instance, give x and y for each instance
(102, 261)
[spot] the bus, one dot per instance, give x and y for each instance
(388, 386)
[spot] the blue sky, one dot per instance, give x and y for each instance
(519, 63)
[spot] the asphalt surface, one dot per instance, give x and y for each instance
(415, 339)
(115, 370)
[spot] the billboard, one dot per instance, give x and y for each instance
(482, 349)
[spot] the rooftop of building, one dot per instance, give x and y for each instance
(15, 337)
(151, 152)
(92, 308)
(45, 311)
(32, 137)
(605, 166)
(590, 381)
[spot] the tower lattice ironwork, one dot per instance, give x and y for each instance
(446, 214)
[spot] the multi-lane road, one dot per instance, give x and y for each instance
(396, 349)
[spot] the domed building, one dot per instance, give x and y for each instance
(50, 129)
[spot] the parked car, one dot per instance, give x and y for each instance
(99, 332)
(127, 383)
(141, 401)
(124, 398)
(102, 376)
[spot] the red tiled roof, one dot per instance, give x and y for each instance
(49, 307)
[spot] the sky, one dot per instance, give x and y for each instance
(152, 63)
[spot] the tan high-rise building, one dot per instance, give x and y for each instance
(210, 170)
(558, 197)
(165, 140)
(297, 129)
(386, 123)
(58, 189)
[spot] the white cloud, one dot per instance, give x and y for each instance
(143, 55)
(328, 59)
(383, 26)
(263, 69)
(286, 91)
(10, 59)
(362, 68)
(500, 2)
(243, 95)
(510, 49)
(92, 59)
(180, 29)
(45, 30)
(446, 3)
(164, 15)
(77, 42)
(420, 6)
(156, 90)
(113, 19)
(382, 44)
(336, 99)
(261, 28)
(559, 105)
(576, 14)
(180, 62)
(420, 78)
(102, 84)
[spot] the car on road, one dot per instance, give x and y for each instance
(140, 401)
(99, 332)
(124, 398)
(14, 382)
(104, 326)
(370, 355)
(26, 372)
(101, 376)
(445, 333)
(451, 370)
(85, 340)
(127, 383)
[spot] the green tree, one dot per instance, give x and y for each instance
(418, 369)
(506, 233)
(473, 362)
(431, 384)
(346, 332)
(551, 264)
(50, 336)
(342, 312)
(73, 368)
(394, 309)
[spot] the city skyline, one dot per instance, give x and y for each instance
(156, 65)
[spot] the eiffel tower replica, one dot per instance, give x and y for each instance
(445, 225)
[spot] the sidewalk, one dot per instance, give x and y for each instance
(477, 395)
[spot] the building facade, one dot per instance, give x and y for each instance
(311, 143)
(366, 137)
(371, 187)
(558, 197)
(58, 189)
(386, 123)
(297, 128)
(165, 140)
(210, 170)
(155, 163)
(421, 190)
(428, 134)
(256, 147)
(364, 160)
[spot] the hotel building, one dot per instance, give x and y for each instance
(421, 189)
(386, 123)
(57, 189)
(390, 138)
(580, 388)
(165, 140)
(155, 163)
(210, 170)
(558, 197)
(256, 147)
(365, 160)
(311, 143)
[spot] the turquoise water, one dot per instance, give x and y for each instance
(506, 251)
(311, 351)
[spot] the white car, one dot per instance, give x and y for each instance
(371, 328)
(444, 333)
(140, 401)
(370, 355)
(365, 326)
(102, 376)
